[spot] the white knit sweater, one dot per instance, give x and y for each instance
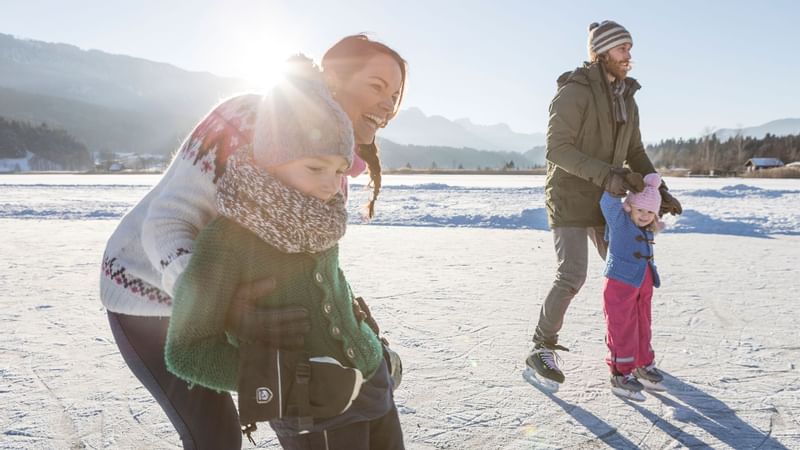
(153, 243)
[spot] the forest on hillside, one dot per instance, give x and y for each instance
(52, 149)
(56, 149)
(709, 154)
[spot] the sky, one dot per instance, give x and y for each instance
(702, 64)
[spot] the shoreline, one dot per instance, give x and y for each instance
(782, 174)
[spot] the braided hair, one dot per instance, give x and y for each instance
(347, 57)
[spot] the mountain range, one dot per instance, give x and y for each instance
(780, 127)
(413, 127)
(121, 103)
(110, 102)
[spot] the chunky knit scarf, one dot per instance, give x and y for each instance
(280, 215)
(617, 91)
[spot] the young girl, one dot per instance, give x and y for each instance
(282, 213)
(631, 276)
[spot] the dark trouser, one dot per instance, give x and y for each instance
(203, 418)
(383, 433)
(572, 251)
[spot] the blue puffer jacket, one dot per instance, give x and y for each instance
(630, 249)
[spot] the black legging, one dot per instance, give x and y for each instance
(203, 418)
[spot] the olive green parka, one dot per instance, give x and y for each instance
(584, 143)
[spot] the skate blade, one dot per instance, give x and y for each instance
(652, 387)
(630, 395)
(543, 384)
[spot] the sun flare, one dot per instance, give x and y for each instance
(265, 67)
(261, 61)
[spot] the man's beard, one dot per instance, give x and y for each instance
(617, 69)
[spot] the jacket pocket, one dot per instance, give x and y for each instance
(625, 271)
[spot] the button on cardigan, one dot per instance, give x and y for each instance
(227, 255)
(630, 248)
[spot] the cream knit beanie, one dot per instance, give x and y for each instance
(299, 118)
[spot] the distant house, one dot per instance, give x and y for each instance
(116, 167)
(109, 166)
(11, 165)
(753, 164)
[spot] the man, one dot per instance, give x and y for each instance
(593, 131)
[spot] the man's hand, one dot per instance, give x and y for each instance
(620, 180)
(669, 204)
(283, 328)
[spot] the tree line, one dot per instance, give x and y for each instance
(52, 149)
(56, 149)
(706, 154)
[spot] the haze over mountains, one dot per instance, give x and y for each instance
(110, 102)
(780, 127)
(125, 104)
(412, 126)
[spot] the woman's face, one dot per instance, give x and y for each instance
(369, 96)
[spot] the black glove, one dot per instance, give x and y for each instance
(620, 180)
(363, 313)
(393, 361)
(278, 328)
(669, 204)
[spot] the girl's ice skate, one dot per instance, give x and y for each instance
(627, 386)
(650, 378)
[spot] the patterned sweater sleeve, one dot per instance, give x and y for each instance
(186, 202)
(175, 217)
(197, 348)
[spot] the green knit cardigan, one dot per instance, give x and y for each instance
(226, 255)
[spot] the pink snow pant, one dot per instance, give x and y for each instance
(628, 318)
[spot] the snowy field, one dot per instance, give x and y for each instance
(455, 269)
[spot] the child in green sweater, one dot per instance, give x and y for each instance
(282, 212)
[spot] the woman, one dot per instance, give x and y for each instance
(153, 243)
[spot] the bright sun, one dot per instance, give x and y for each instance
(264, 67)
(256, 45)
(262, 63)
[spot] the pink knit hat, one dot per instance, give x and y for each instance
(649, 199)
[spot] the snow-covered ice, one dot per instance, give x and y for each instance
(455, 269)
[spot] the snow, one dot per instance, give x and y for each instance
(458, 299)
(712, 205)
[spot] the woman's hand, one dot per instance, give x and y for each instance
(284, 328)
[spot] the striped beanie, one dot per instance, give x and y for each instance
(606, 35)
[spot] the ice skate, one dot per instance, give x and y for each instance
(541, 368)
(650, 378)
(627, 386)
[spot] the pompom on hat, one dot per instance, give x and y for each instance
(650, 198)
(606, 35)
(299, 118)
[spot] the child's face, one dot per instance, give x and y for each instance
(318, 176)
(642, 217)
